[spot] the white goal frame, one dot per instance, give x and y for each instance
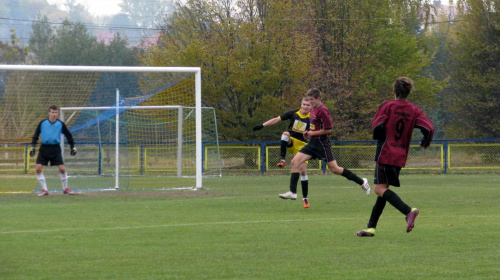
(130, 69)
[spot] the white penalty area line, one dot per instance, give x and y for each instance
(173, 225)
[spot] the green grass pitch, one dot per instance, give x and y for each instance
(238, 228)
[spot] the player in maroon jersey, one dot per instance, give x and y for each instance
(393, 126)
(319, 146)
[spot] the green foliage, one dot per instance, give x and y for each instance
(251, 57)
(12, 53)
(147, 14)
(260, 58)
(365, 46)
(474, 48)
(72, 44)
(41, 39)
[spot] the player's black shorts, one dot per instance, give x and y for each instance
(387, 174)
(50, 153)
(319, 149)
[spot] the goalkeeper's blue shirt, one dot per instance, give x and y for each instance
(51, 133)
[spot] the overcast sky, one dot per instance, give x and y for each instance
(110, 7)
(95, 7)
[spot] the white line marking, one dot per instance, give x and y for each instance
(226, 223)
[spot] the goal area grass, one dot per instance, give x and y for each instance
(238, 228)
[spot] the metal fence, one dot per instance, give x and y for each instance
(261, 157)
(442, 156)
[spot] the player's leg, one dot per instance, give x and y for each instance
(304, 183)
(295, 147)
(59, 161)
(297, 160)
(41, 179)
(392, 177)
(64, 179)
(326, 149)
(381, 184)
(41, 160)
(344, 172)
(285, 141)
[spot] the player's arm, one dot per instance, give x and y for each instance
(38, 130)
(378, 123)
(427, 128)
(267, 123)
(311, 133)
(379, 131)
(69, 137)
(272, 121)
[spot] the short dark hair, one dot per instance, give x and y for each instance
(53, 107)
(402, 87)
(314, 93)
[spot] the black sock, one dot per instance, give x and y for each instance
(284, 146)
(294, 179)
(395, 201)
(305, 188)
(377, 210)
(351, 176)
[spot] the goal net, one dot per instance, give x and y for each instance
(134, 127)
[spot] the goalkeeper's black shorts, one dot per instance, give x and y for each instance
(50, 153)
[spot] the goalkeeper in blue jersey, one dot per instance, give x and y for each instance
(50, 131)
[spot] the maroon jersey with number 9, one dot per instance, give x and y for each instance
(393, 126)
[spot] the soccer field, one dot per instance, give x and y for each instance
(238, 228)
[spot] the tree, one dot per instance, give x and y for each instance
(25, 96)
(72, 44)
(147, 14)
(13, 53)
(363, 47)
(130, 28)
(41, 38)
(77, 12)
(259, 57)
(474, 49)
(255, 62)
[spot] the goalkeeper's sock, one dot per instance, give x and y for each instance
(41, 180)
(64, 180)
(351, 176)
(304, 182)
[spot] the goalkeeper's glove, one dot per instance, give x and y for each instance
(32, 152)
(73, 151)
(258, 127)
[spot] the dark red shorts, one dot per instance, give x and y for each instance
(319, 149)
(387, 174)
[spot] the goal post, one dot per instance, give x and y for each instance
(137, 101)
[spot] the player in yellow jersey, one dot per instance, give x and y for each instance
(292, 140)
